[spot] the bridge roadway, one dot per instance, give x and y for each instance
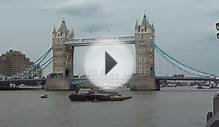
(101, 41)
(31, 82)
(186, 78)
(75, 81)
(158, 79)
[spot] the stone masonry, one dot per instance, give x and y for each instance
(144, 79)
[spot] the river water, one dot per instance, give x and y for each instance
(171, 107)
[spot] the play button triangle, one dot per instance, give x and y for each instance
(109, 63)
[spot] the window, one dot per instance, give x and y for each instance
(151, 71)
(142, 30)
(142, 58)
(140, 68)
(142, 49)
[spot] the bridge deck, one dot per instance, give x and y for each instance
(23, 81)
(101, 41)
(77, 80)
(186, 78)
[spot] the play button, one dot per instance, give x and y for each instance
(109, 64)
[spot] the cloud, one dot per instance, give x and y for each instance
(79, 8)
(94, 27)
(5, 1)
(93, 16)
(214, 13)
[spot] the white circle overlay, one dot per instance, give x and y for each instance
(94, 64)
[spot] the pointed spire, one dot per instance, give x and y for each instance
(152, 26)
(54, 29)
(63, 28)
(136, 24)
(144, 21)
(72, 31)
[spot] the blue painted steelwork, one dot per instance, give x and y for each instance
(186, 78)
(77, 81)
(198, 75)
(181, 65)
(37, 66)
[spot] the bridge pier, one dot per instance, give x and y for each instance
(62, 59)
(57, 83)
(144, 79)
(142, 83)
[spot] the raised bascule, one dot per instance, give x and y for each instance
(63, 44)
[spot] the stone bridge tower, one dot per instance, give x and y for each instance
(144, 79)
(62, 55)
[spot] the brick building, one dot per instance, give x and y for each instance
(13, 62)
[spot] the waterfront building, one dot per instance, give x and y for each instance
(13, 62)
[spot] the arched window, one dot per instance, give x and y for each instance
(151, 71)
(140, 69)
(142, 30)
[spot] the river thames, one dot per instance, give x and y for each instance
(170, 107)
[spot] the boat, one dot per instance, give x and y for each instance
(44, 96)
(209, 87)
(96, 97)
(119, 98)
(200, 87)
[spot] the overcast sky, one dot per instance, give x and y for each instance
(184, 28)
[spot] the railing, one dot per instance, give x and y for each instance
(103, 39)
(185, 78)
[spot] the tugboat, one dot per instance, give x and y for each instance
(199, 87)
(119, 98)
(44, 96)
(97, 95)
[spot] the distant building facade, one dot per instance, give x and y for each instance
(3, 65)
(13, 62)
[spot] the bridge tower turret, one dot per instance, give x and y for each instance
(144, 79)
(62, 55)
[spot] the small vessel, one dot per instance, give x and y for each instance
(96, 97)
(44, 96)
(96, 94)
(119, 98)
(199, 87)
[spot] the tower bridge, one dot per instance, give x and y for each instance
(64, 43)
